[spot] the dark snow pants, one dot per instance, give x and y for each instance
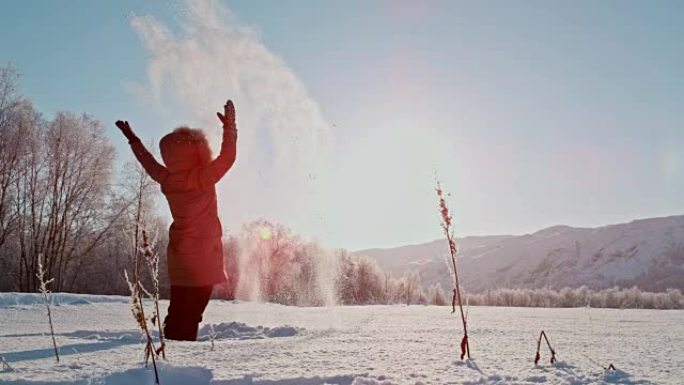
(185, 312)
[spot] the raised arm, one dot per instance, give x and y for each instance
(155, 170)
(214, 171)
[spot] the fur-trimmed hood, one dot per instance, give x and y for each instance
(184, 149)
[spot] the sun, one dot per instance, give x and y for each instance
(265, 233)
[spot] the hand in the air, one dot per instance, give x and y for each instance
(126, 130)
(228, 117)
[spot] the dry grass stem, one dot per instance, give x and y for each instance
(43, 289)
(446, 223)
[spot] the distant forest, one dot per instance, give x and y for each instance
(614, 298)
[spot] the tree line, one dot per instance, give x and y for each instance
(65, 205)
(60, 203)
(268, 262)
(614, 298)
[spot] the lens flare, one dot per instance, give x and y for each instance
(265, 233)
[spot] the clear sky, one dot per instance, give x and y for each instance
(533, 113)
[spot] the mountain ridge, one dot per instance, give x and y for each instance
(646, 252)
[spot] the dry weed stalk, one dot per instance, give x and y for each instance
(606, 369)
(5, 365)
(152, 259)
(553, 352)
(446, 224)
(43, 289)
(137, 291)
(212, 336)
(138, 310)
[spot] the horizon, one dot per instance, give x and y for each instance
(521, 234)
(360, 192)
(532, 115)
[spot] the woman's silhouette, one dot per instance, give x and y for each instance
(195, 255)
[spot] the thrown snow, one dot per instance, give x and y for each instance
(354, 345)
(241, 331)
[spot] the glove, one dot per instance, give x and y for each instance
(127, 131)
(228, 117)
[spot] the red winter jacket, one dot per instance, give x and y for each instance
(195, 255)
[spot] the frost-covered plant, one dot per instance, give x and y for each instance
(212, 336)
(436, 295)
(138, 310)
(137, 290)
(579, 297)
(446, 223)
(152, 260)
(43, 289)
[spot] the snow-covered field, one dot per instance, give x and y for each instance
(272, 344)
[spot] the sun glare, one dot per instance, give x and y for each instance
(265, 233)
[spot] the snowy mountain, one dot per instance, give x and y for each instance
(648, 253)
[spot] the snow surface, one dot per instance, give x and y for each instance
(57, 299)
(241, 331)
(360, 345)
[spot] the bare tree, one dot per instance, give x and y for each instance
(11, 145)
(61, 191)
(368, 281)
(436, 295)
(57, 199)
(411, 287)
(345, 282)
